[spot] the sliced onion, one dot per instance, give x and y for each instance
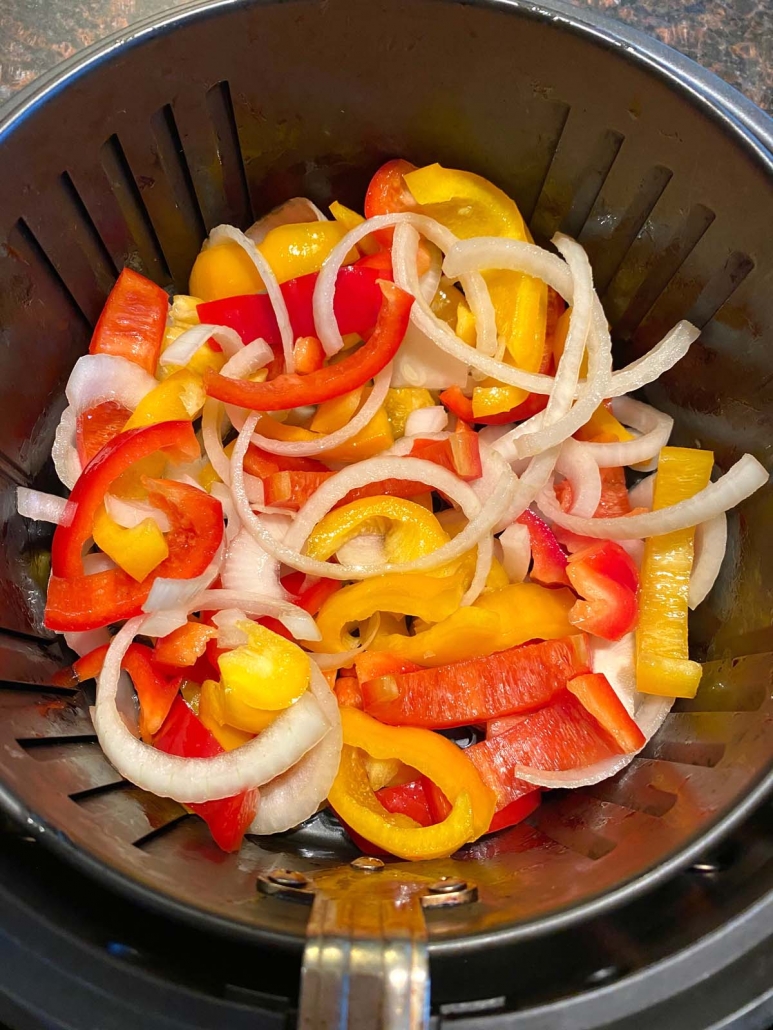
(212, 438)
(646, 369)
(304, 448)
(248, 360)
(132, 513)
(430, 281)
(97, 562)
(616, 659)
(296, 795)
(96, 378)
(42, 507)
(228, 232)
(298, 209)
(191, 780)
(173, 593)
(738, 483)
(64, 452)
(248, 567)
(576, 463)
(162, 623)
(340, 659)
(655, 427)
(297, 621)
(366, 549)
(81, 642)
(426, 420)
(185, 346)
(227, 622)
(710, 546)
(516, 552)
(641, 495)
(419, 362)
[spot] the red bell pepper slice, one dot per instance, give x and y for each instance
(514, 813)
(408, 799)
(309, 355)
(614, 499)
(184, 646)
(595, 693)
(347, 692)
(183, 734)
(460, 452)
(548, 557)
(562, 735)
(387, 193)
(606, 578)
(291, 490)
(356, 305)
(97, 426)
(478, 689)
(461, 406)
(293, 582)
(155, 691)
(372, 665)
(88, 602)
(133, 321)
(314, 596)
(262, 463)
(292, 391)
(96, 479)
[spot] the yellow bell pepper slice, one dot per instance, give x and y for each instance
(210, 713)
(662, 657)
(465, 325)
(372, 439)
(497, 578)
(434, 757)
(409, 530)
(179, 398)
(400, 402)
(471, 206)
(350, 220)
(223, 271)
(429, 597)
(602, 421)
(268, 672)
(335, 413)
(137, 551)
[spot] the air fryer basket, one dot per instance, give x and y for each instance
(240, 105)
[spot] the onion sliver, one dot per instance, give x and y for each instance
(654, 425)
(304, 448)
(738, 483)
(228, 232)
(616, 659)
(582, 472)
(710, 546)
(293, 211)
(185, 346)
(426, 420)
(247, 360)
(132, 513)
(249, 567)
(516, 552)
(171, 592)
(297, 794)
(663, 356)
(297, 621)
(83, 641)
(107, 377)
(191, 780)
(212, 438)
(63, 450)
(34, 504)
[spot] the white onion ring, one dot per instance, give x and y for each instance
(293, 211)
(191, 780)
(83, 641)
(738, 483)
(212, 438)
(616, 659)
(132, 513)
(710, 546)
(228, 232)
(42, 507)
(575, 462)
(247, 360)
(426, 420)
(174, 593)
(655, 427)
(641, 495)
(296, 795)
(64, 452)
(185, 346)
(663, 356)
(419, 362)
(96, 378)
(297, 621)
(162, 623)
(249, 567)
(516, 552)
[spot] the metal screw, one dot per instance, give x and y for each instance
(366, 864)
(287, 878)
(447, 885)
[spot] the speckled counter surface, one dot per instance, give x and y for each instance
(733, 39)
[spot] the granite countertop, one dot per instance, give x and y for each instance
(733, 39)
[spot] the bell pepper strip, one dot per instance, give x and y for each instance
(262, 463)
(184, 734)
(408, 799)
(335, 413)
(428, 597)
(460, 452)
(465, 633)
(372, 439)
(312, 597)
(614, 499)
(175, 438)
(462, 406)
(181, 396)
(309, 355)
(372, 665)
(606, 578)
(603, 421)
(562, 735)
(347, 692)
(549, 559)
(210, 713)
(594, 692)
(291, 490)
(387, 193)
(268, 672)
(155, 691)
(479, 689)
(431, 755)
(96, 426)
(184, 646)
(493, 405)
(137, 550)
(662, 656)
(132, 322)
(356, 305)
(409, 530)
(83, 602)
(514, 813)
(291, 391)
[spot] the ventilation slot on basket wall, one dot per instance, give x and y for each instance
(221, 112)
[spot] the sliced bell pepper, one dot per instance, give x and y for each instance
(137, 550)
(335, 413)
(347, 692)
(263, 463)
(372, 439)
(175, 438)
(268, 672)
(309, 355)
(518, 810)
(606, 578)
(408, 799)
(313, 596)
(387, 193)
(434, 757)
(184, 646)
(185, 735)
(562, 735)
(603, 421)
(401, 402)
(460, 452)
(181, 396)
(479, 689)
(83, 602)
(291, 490)
(408, 529)
(462, 406)
(132, 322)
(594, 692)
(356, 305)
(209, 710)
(291, 391)
(614, 499)
(548, 557)
(372, 665)
(662, 656)
(97, 426)
(155, 691)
